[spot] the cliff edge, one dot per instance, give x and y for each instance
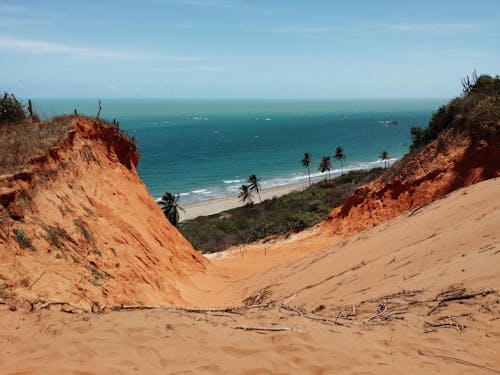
(79, 226)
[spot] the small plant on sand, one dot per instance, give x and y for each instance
(55, 235)
(23, 240)
(82, 228)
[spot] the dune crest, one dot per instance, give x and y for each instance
(79, 226)
(448, 163)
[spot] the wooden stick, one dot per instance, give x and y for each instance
(273, 329)
(458, 360)
(37, 280)
(377, 314)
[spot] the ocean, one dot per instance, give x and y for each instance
(202, 149)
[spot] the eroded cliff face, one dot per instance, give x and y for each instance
(450, 162)
(80, 226)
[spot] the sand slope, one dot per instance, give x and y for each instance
(98, 236)
(418, 294)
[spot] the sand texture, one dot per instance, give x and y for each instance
(417, 294)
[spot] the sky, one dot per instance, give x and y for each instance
(238, 49)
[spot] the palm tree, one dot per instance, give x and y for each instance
(170, 207)
(254, 184)
(245, 194)
(340, 156)
(384, 155)
(306, 160)
(325, 165)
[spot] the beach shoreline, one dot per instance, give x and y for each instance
(217, 205)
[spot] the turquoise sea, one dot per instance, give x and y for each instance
(203, 149)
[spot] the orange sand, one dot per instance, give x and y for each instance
(382, 285)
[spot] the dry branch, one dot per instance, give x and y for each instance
(461, 361)
(273, 329)
(37, 280)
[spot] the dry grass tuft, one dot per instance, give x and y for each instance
(21, 142)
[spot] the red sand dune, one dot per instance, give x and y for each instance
(130, 254)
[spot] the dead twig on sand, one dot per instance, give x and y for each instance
(48, 304)
(381, 311)
(457, 295)
(308, 315)
(188, 309)
(37, 280)
(273, 329)
(458, 360)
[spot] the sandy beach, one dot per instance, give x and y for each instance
(213, 206)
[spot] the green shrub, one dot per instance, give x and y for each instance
(23, 240)
(88, 236)
(55, 235)
(11, 109)
(476, 112)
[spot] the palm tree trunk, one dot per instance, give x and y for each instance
(309, 172)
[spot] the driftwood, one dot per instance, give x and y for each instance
(461, 361)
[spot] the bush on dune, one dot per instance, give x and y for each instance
(476, 112)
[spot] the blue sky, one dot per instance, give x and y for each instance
(245, 49)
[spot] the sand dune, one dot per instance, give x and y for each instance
(417, 294)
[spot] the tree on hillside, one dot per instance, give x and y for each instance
(384, 155)
(170, 207)
(245, 195)
(254, 185)
(340, 156)
(306, 160)
(325, 165)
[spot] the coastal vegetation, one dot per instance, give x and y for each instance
(254, 185)
(325, 165)
(170, 207)
(384, 156)
(476, 112)
(306, 161)
(340, 156)
(278, 216)
(245, 195)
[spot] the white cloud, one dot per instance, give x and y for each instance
(434, 27)
(7, 8)
(43, 47)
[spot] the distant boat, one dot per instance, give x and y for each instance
(390, 123)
